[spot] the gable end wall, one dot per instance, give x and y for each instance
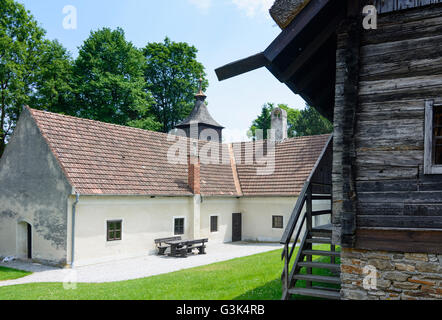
(34, 190)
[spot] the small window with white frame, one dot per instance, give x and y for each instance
(213, 223)
(277, 222)
(178, 226)
(114, 230)
(433, 138)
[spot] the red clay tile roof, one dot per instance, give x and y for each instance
(101, 158)
(294, 160)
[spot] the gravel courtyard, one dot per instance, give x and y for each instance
(135, 268)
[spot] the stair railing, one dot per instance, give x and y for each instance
(295, 225)
(296, 222)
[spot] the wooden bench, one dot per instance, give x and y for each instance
(162, 247)
(196, 244)
(180, 248)
(180, 252)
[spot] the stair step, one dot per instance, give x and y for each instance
(326, 288)
(320, 233)
(321, 253)
(321, 212)
(324, 227)
(321, 197)
(328, 294)
(322, 265)
(319, 240)
(315, 278)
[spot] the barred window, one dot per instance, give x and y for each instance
(179, 226)
(437, 135)
(114, 230)
(213, 223)
(277, 222)
(433, 138)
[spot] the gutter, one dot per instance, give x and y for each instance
(74, 207)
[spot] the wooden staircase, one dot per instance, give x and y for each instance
(303, 266)
(304, 260)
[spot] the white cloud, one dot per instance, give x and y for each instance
(250, 7)
(202, 5)
(253, 7)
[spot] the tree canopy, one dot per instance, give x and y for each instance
(171, 73)
(310, 123)
(21, 40)
(53, 86)
(109, 79)
(304, 122)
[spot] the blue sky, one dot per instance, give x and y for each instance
(221, 30)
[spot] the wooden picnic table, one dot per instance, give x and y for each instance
(163, 247)
(183, 247)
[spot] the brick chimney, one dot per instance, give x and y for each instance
(194, 173)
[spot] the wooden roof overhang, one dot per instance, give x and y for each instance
(303, 56)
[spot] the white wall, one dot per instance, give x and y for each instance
(223, 207)
(144, 219)
(13, 240)
(34, 189)
(257, 215)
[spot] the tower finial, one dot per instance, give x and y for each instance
(200, 93)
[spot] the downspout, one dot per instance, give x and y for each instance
(74, 206)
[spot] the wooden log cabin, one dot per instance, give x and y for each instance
(382, 88)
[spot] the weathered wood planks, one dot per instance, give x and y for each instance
(400, 69)
(384, 6)
(346, 102)
(402, 240)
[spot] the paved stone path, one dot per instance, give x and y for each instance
(135, 268)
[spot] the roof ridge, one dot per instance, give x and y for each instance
(95, 121)
(288, 139)
(157, 132)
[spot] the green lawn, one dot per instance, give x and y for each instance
(10, 274)
(253, 277)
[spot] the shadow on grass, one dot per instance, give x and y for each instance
(270, 291)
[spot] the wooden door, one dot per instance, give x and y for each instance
(24, 240)
(29, 241)
(236, 227)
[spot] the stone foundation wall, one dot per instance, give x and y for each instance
(380, 275)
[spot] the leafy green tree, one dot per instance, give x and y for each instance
(310, 122)
(171, 73)
(53, 89)
(21, 40)
(304, 122)
(263, 121)
(147, 122)
(109, 80)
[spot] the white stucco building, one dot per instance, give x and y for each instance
(80, 192)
